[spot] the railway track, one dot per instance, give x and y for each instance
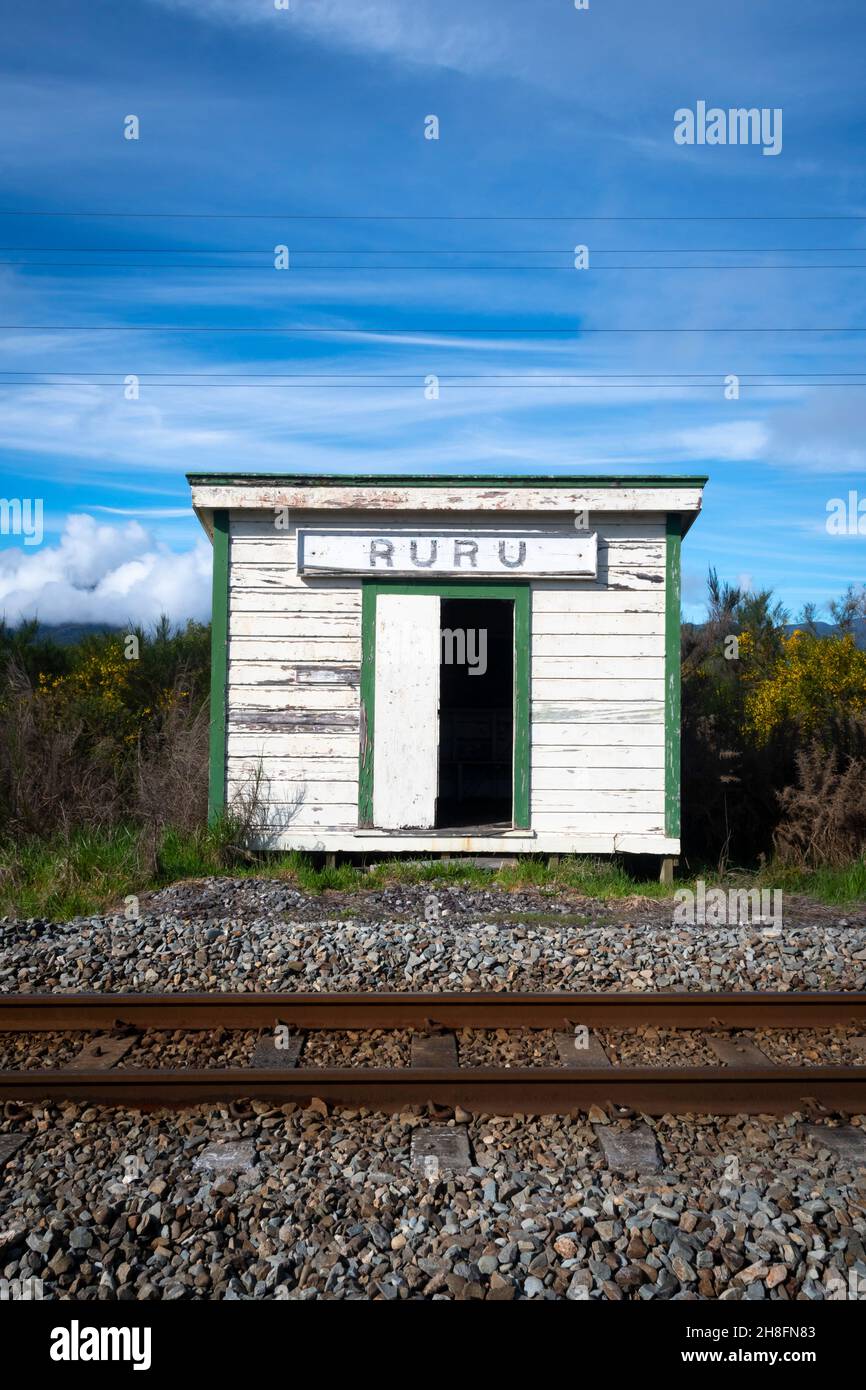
(745, 1081)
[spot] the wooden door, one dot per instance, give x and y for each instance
(406, 748)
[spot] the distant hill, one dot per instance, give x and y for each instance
(833, 630)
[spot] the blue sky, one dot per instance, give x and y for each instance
(306, 128)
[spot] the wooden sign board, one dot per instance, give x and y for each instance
(465, 554)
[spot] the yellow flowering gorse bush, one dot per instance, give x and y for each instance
(812, 680)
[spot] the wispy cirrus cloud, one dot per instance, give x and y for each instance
(449, 34)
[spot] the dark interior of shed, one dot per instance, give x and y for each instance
(476, 714)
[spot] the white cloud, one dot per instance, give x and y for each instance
(735, 441)
(101, 573)
(441, 37)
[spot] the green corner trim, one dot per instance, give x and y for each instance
(368, 699)
(672, 676)
(522, 658)
(219, 661)
(520, 596)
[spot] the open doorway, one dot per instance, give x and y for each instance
(476, 715)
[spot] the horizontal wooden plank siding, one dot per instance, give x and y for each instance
(598, 690)
(252, 745)
(274, 791)
(582, 780)
(547, 758)
(293, 674)
(294, 769)
(596, 667)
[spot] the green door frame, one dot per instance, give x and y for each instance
(520, 596)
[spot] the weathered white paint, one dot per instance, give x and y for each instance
(578, 805)
(283, 791)
(572, 646)
(292, 673)
(597, 661)
(310, 816)
(301, 647)
(244, 743)
(291, 769)
(586, 732)
(291, 697)
(616, 711)
(466, 554)
(504, 500)
(586, 668)
(580, 627)
(582, 779)
(603, 756)
(626, 530)
(621, 838)
(406, 744)
(272, 625)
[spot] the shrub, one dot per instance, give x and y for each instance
(824, 815)
(814, 681)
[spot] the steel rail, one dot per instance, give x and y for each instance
(24, 1013)
(500, 1090)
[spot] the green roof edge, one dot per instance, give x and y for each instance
(460, 479)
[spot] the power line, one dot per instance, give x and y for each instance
(443, 376)
(575, 330)
(458, 386)
(474, 251)
(402, 269)
(443, 217)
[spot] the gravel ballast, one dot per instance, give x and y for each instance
(254, 1201)
(258, 935)
(105, 1204)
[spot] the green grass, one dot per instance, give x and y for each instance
(68, 877)
(836, 887)
(94, 870)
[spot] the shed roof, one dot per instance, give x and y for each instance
(670, 493)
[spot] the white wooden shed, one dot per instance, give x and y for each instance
(449, 664)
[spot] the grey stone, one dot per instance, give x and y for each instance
(233, 1156)
(10, 1144)
(629, 1150)
(845, 1140)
